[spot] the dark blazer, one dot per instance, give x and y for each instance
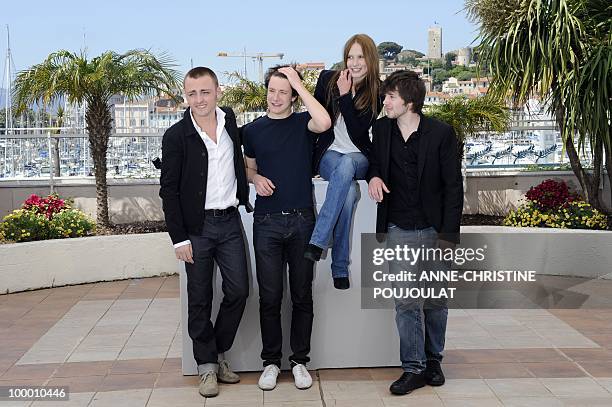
(358, 122)
(440, 184)
(184, 174)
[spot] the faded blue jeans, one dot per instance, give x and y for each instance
(336, 214)
(421, 324)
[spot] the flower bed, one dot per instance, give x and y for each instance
(551, 204)
(42, 218)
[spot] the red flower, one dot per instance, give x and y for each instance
(48, 206)
(33, 200)
(551, 195)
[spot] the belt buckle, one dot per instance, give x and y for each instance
(290, 212)
(218, 213)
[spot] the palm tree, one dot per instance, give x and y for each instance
(94, 82)
(561, 50)
(469, 116)
(310, 79)
(250, 96)
(244, 96)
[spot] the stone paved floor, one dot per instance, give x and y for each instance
(118, 344)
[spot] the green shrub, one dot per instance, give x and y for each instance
(23, 226)
(70, 223)
(578, 215)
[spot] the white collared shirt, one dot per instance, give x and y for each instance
(221, 184)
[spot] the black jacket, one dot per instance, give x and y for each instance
(358, 122)
(440, 184)
(184, 174)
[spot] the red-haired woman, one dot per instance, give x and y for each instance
(351, 97)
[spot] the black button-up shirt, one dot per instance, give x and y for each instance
(405, 208)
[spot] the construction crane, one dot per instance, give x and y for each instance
(259, 56)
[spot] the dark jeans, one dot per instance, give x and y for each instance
(221, 241)
(281, 239)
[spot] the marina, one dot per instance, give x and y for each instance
(32, 152)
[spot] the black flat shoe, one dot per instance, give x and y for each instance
(313, 253)
(433, 373)
(341, 283)
(407, 383)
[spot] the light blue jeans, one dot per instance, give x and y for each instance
(336, 214)
(421, 324)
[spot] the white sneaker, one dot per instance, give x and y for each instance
(301, 376)
(267, 380)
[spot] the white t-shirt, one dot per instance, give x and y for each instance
(342, 141)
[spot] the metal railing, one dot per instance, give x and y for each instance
(37, 152)
(30, 153)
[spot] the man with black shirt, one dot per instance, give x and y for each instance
(278, 149)
(415, 176)
(203, 180)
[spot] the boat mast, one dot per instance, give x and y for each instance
(7, 83)
(9, 68)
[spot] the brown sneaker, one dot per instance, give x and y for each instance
(225, 374)
(208, 384)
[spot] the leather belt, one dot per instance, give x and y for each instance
(220, 212)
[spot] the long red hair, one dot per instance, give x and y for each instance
(368, 88)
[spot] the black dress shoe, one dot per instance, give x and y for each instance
(408, 382)
(341, 283)
(313, 253)
(433, 373)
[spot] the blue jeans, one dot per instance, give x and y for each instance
(336, 214)
(421, 324)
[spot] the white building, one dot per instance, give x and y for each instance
(464, 56)
(387, 69)
(247, 117)
(74, 115)
(473, 87)
(131, 117)
(436, 98)
(165, 113)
